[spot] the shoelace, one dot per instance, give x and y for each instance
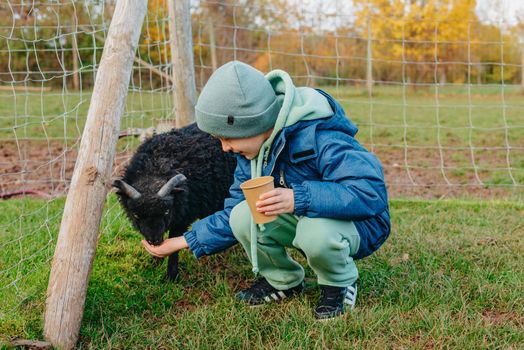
(261, 286)
(329, 296)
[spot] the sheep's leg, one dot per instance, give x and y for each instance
(172, 262)
(172, 267)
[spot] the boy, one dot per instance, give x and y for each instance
(330, 195)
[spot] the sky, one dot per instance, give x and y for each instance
(495, 11)
(491, 10)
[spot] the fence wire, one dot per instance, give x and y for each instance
(436, 94)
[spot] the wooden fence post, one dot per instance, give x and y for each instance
(79, 230)
(522, 65)
(212, 42)
(369, 68)
(181, 38)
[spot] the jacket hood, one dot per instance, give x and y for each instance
(339, 121)
(298, 104)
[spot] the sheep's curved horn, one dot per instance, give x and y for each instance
(171, 185)
(127, 189)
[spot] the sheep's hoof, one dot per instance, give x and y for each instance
(171, 277)
(157, 261)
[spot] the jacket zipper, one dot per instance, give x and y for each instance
(276, 157)
(282, 179)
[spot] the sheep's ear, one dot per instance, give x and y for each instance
(171, 185)
(126, 189)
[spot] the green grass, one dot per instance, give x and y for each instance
(382, 118)
(57, 115)
(450, 276)
(450, 117)
(425, 129)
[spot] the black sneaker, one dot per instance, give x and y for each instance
(333, 301)
(262, 292)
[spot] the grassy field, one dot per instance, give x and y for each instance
(450, 276)
(442, 134)
(490, 112)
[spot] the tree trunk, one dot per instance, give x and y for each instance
(76, 243)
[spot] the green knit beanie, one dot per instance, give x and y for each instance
(237, 102)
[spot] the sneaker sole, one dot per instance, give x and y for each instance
(337, 316)
(256, 306)
(282, 298)
(330, 318)
(326, 320)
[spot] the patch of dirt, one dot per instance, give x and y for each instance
(183, 305)
(48, 167)
(497, 318)
(31, 344)
(430, 174)
(42, 167)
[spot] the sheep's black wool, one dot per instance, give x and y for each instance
(173, 179)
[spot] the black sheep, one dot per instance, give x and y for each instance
(173, 179)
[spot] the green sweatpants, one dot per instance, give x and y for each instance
(329, 245)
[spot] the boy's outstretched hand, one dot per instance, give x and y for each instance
(277, 201)
(168, 247)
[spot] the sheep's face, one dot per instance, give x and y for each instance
(151, 216)
(151, 213)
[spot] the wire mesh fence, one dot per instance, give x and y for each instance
(434, 87)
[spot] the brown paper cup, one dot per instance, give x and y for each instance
(252, 190)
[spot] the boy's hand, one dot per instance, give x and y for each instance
(277, 201)
(168, 247)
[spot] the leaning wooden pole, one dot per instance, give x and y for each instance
(76, 243)
(181, 40)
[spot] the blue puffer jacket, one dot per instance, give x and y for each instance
(331, 174)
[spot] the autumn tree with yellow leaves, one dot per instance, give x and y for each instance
(434, 41)
(414, 42)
